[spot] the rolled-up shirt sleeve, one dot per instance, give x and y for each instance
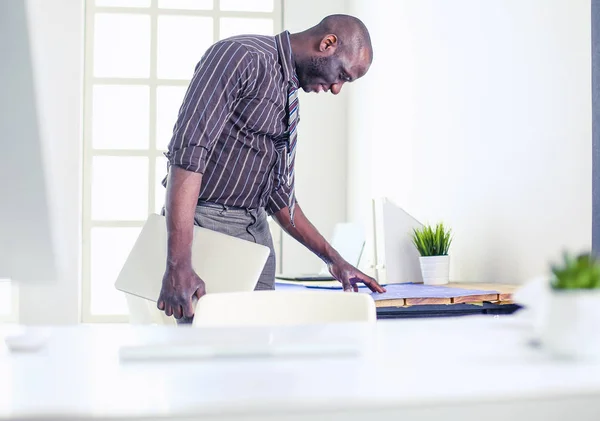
(281, 193)
(224, 75)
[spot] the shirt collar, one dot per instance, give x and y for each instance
(286, 58)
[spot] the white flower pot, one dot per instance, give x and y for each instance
(571, 326)
(435, 269)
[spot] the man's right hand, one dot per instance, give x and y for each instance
(178, 287)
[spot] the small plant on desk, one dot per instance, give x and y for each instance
(433, 245)
(572, 323)
(575, 273)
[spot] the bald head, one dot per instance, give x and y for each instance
(353, 35)
(335, 51)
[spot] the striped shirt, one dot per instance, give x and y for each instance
(233, 124)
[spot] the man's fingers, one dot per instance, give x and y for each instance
(160, 305)
(347, 285)
(188, 310)
(370, 283)
(177, 312)
(169, 310)
(373, 285)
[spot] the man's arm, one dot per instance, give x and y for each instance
(180, 282)
(222, 76)
(183, 188)
(306, 233)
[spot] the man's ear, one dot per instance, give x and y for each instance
(329, 44)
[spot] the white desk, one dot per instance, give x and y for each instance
(476, 368)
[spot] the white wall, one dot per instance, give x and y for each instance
(479, 114)
(56, 31)
(322, 146)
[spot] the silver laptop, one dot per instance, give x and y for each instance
(225, 263)
(348, 239)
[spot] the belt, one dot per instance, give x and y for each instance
(219, 205)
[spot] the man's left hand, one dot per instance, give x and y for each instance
(349, 276)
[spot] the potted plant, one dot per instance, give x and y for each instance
(571, 328)
(433, 245)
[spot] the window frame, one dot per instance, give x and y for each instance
(151, 152)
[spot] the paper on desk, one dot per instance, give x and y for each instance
(397, 291)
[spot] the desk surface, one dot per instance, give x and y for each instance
(419, 369)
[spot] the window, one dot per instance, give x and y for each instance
(140, 56)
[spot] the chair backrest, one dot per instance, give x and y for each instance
(276, 308)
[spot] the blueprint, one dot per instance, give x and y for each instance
(396, 291)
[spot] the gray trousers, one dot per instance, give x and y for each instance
(247, 224)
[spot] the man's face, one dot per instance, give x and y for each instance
(330, 72)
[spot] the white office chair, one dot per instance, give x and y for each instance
(277, 308)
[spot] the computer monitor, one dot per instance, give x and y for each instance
(26, 238)
(396, 257)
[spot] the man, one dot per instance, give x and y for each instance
(232, 154)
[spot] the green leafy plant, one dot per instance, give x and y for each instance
(432, 242)
(577, 272)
